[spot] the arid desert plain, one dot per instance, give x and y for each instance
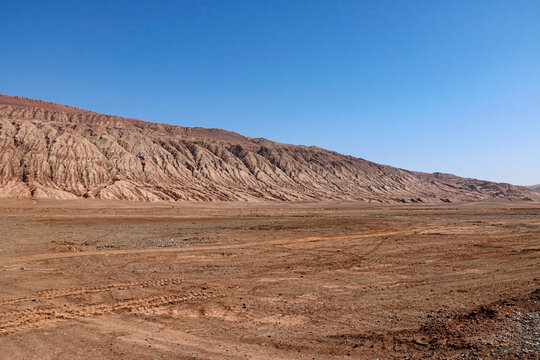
(110, 279)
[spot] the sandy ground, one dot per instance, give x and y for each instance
(91, 279)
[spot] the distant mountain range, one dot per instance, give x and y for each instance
(534, 187)
(49, 150)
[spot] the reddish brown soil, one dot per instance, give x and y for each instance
(94, 279)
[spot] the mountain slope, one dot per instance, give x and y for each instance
(534, 187)
(56, 151)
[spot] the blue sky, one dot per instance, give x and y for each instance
(450, 86)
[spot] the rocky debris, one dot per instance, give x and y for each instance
(504, 329)
(55, 151)
(172, 242)
(508, 329)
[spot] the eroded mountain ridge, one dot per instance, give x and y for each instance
(50, 150)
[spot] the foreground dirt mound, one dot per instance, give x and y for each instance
(506, 329)
(56, 151)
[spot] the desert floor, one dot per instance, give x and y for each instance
(93, 279)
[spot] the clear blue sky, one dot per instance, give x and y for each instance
(451, 86)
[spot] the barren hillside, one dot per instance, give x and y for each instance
(534, 187)
(49, 150)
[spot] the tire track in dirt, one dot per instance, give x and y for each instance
(55, 293)
(50, 256)
(354, 257)
(31, 318)
(368, 235)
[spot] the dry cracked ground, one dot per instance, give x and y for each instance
(106, 280)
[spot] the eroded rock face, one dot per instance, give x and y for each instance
(55, 151)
